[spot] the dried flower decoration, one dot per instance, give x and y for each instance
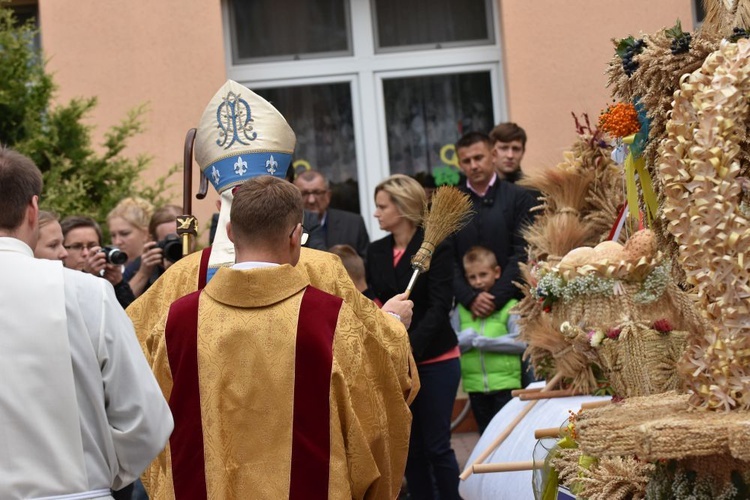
(662, 325)
(654, 285)
(552, 286)
(596, 337)
(620, 120)
(613, 333)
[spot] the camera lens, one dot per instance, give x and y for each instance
(171, 247)
(114, 255)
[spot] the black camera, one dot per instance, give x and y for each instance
(114, 255)
(171, 247)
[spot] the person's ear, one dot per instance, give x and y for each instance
(497, 272)
(229, 231)
(32, 212)
(295, 241)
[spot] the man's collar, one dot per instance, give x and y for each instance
(489, 185)
(13, 244)
(253, 265)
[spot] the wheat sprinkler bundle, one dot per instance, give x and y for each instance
(450, 211)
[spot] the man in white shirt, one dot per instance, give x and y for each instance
(80, 411)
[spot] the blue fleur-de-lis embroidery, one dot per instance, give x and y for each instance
(240, 166)
(215, 174)
(271, 165)
(234, 121)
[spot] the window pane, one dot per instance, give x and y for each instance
(426, 115)
(27, 12)
(286, 29)
(321, 116)
(431, 22)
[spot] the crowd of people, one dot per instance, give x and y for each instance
(282, 360)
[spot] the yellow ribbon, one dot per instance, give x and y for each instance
(635, 166)
(552, 482)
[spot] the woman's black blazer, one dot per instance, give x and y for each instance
(430, 332)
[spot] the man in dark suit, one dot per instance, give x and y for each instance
(336, 227)
(501, 210)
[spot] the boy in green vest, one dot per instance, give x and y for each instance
(490, 349)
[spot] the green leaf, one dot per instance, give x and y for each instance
(675, 31)
(623, 45)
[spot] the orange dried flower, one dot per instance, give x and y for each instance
(620, 120)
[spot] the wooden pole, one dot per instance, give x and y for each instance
(561, 393)
(506, 467)
(413, 280)
(595, 404)
(187, 173)
(551, 432)
(499, 440)
(517, 392)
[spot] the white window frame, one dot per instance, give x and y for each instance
(365, 71)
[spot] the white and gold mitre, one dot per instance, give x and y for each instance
(241, 136)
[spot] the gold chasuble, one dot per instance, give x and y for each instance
(376, 416)
(265, 380)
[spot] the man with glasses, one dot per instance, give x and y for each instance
(335, 227)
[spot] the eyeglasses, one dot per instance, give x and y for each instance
(78, 247)
(304, 237)
(317, 193)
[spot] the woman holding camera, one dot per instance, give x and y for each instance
(82, 238)
(161, 250)
(128, 228)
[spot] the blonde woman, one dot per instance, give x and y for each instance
(128, 228)
(399, 201)
(49, 245)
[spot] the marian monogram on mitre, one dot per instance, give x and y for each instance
(234, 121)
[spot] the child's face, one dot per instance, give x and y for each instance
(481, 276)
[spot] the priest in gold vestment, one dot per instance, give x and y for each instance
(387, 379)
